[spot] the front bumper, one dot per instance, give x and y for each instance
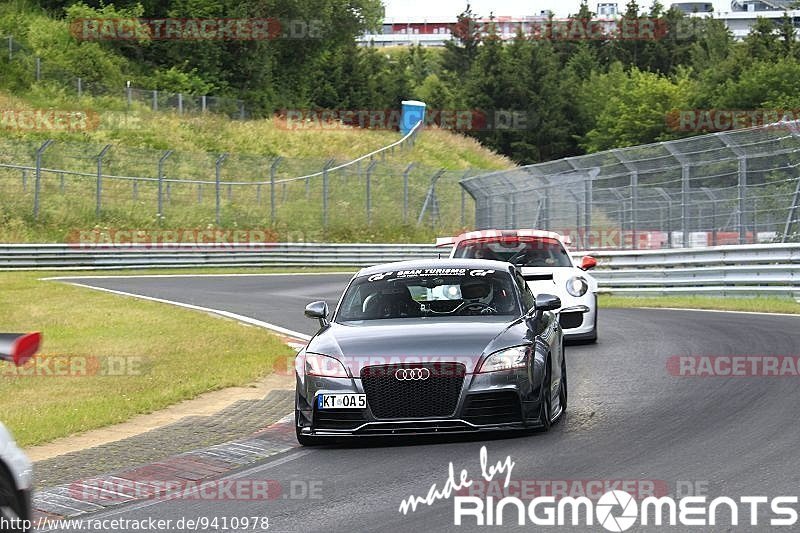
(496, 401)
(585, 321)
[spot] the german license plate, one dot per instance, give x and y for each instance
(342, 401)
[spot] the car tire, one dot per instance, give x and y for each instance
(545, 409)
(563, 392)
(304, 440)
(10, 506)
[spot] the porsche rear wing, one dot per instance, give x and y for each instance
(19, 347)
(489, 234)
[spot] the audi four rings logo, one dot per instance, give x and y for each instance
(412, 374)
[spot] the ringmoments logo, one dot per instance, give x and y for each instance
(615, 510)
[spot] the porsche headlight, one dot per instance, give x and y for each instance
(507, 359)
(577, 286)
(324, 366)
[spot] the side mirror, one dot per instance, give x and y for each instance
(547, 302)
(19, 347)
(319, 311)
(588, 262)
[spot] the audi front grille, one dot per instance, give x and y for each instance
(413, 390)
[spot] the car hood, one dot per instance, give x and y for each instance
(376, 342)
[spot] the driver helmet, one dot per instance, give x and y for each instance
(477, 290)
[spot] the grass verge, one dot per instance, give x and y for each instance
(760, 305)
(164, 354)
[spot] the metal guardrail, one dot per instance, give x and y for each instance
(768, 269)
(76, 257)
(724, 270)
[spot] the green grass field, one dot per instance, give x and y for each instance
(109, 358)
(759, 305)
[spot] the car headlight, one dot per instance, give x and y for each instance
(507, 359)
(577, 286)
(324, 366)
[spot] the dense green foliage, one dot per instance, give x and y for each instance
(577, 95)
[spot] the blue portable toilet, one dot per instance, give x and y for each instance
(412, 112)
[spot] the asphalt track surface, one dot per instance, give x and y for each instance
(628, 419)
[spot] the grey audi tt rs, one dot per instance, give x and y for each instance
(441, 346)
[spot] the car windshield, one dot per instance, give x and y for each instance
(429, 292)
(521, 251)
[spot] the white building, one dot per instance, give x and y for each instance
(741, 15)
(607, 9)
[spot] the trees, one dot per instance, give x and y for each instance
(632, 107)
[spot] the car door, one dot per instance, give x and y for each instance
(548, 336)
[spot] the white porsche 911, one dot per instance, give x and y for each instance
(546, 266)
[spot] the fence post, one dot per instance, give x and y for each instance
(24, 180)
(10, 47)
(155, 100)
(199, 193)
(587, 207)
(685, 176)
(668, 198)
(37, 187)
(38, 68)
(463, 208)
(370, 168)
(578, 243)
(80, 87)
(161, 182)
(328, 164)
(634, 209)
(203, 103)
(790, 218)
(406, 172)
(99, 190)
(741, 200)
(180, 103)
(430, 199)
(464, 200)
(713, 197)
(217, 178)
(273, 170)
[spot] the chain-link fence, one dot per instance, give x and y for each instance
(31, 68)
(738, 187)
(77, 184)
